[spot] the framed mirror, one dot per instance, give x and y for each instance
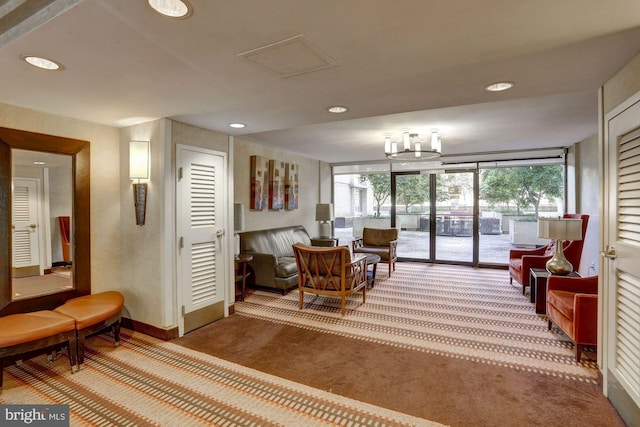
(77, 151)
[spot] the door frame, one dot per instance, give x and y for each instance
(611, 128)
(228, 224)
(432, 258)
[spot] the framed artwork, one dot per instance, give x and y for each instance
(291, 186)
(259, 197)
(276, 184)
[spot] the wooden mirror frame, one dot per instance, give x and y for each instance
(79, 150)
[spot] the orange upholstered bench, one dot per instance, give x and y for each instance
(25, 335)
(92, 314)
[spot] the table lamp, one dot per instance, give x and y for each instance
(559, 229)
(324, 214)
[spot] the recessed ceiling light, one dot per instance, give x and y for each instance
(39, 163)
(499, 86)
(43, 63)
(237, 125)
(171, 8)
(337, 109)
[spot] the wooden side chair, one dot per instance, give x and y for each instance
(330, 271)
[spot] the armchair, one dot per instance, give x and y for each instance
(379, 241)
(521, 261)
(330, 271)
(572, 304)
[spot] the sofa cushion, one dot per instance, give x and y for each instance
(286, 266)
(562, 301)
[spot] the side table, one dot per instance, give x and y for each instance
(324, 241)
(241, 274)
(538, 281)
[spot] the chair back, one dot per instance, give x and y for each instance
(379, 236)
(323, 268)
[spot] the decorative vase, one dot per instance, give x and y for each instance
(558, 265)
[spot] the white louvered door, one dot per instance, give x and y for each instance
(622, 254)
(201, 229)
(24, 220)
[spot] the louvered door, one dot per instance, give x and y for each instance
(622, 252)
(201, 231)
(24, 220)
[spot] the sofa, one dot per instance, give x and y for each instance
(273, 264)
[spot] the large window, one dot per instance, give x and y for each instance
(470, 213)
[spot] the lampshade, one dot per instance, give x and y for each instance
(139, 160)
(324, 212)
(560, 228)
(412, 148)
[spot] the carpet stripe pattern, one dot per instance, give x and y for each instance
(146, 382)
(453, 311)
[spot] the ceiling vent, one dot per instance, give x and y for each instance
(290, 57)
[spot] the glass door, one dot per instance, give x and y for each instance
(411, 210)
(454, 217)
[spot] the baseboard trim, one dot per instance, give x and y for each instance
(623, 402)
(154, 331)
(232, 309)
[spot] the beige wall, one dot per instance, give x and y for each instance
(621, 86)
(149, 252)
(309, 192)
(587, 186)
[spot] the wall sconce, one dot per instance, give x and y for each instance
(139, 169)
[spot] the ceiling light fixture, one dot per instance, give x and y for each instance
(337, 109)
(237, 125)
(499, 86)
(42, 63)
(171, 8)
(412, 147)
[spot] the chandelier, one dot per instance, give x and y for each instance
(412, 147)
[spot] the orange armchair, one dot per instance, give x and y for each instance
(521, 261)
(572, 304)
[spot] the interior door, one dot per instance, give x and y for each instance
(201, 230)
(26, 249)
(621, 278)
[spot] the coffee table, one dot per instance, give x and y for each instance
(372, 259)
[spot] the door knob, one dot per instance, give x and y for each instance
(220, 233)
(610, 253)
(32, 226)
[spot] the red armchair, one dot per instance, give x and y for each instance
(572, 304)
(521, 261)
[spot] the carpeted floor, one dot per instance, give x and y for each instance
(455, 345)
(146, 382)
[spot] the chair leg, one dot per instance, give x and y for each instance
(390, 264)
(301, 298)
(549, 324)
(343, 300)
(511, 280)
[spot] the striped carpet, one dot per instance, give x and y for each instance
(146, 382)
(453, 311)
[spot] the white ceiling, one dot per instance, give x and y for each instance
(402, 64)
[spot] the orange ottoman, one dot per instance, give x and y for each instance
(92, 314)
(24, 335)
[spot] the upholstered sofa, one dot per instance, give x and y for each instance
(273, 264)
